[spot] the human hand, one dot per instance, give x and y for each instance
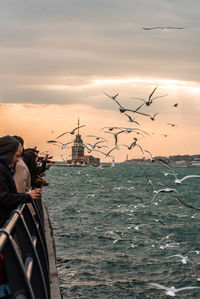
(35, 193)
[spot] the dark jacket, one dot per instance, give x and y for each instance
(9, 198)
(30, 160)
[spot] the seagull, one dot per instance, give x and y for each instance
(179, 181)
(108, 153)
(184, 259)
(165, 135)
(172, 290)
(149, 154)
(131, 119)
(136, 227)
(133, 144)
(115, 135)
(153, 117)
(149, 181)
(164, 28)
(72, 132)
(165, 190)
(158, 220)
(122, 109)
(110, 128)
(150, 99)
(112, 97)
(173, 125)
(196, 251)
(92, 146)
(185, 204)
(97, 137)
(129, 130)
(64, 145)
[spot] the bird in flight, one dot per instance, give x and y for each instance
(172, 125)
(122, 109)
(134, 144)
(164, 28)
(130, 119)
(115, 136)
(172, 290)
(97, 137)
(150, 99)
(63, 145)
(184, 259)
(72, 132)
(92, 146)
(108, 153)
(164, 190)
(153, 116)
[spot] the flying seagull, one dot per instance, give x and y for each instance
(64, 145)
(172, 290)
(122, 109)
(153, 116)
(172, 125)
(184, 259)
(150, 99)
(72, 132)
(130, 119)
(164, 190)
(185, 204)
(115, 136)
(108, 153)
(164, 28)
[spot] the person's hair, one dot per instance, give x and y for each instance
(20, 139)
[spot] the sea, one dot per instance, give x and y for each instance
(117, 233)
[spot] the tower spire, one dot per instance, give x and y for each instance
(78, 125)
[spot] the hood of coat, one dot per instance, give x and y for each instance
(8, 147)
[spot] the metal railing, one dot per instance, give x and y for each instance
(24, 254)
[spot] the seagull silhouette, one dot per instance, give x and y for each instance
(164, 28)
(133, 144)
(92, 146)
(72, 132)
(115, 135)
(122, 109)
(108, 153)
(150, 99)
(129, 130)
(97, 137)
(185, 204)
(63, 145)
(153, 117)
(164, 190)
(131, 119)
(173, 125)
(171, 291)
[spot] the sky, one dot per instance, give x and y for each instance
(59, 58)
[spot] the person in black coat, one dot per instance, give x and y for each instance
(10, 152)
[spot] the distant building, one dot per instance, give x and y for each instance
(78, 157)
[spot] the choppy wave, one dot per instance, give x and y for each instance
(113, 240)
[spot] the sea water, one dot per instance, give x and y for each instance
(114, 236)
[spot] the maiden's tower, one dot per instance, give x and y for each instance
(78, 156)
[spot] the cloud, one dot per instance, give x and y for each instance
(71, 43)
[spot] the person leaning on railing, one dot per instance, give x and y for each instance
(10, 152)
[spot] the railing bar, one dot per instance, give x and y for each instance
(34, 239)
(29, 266)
